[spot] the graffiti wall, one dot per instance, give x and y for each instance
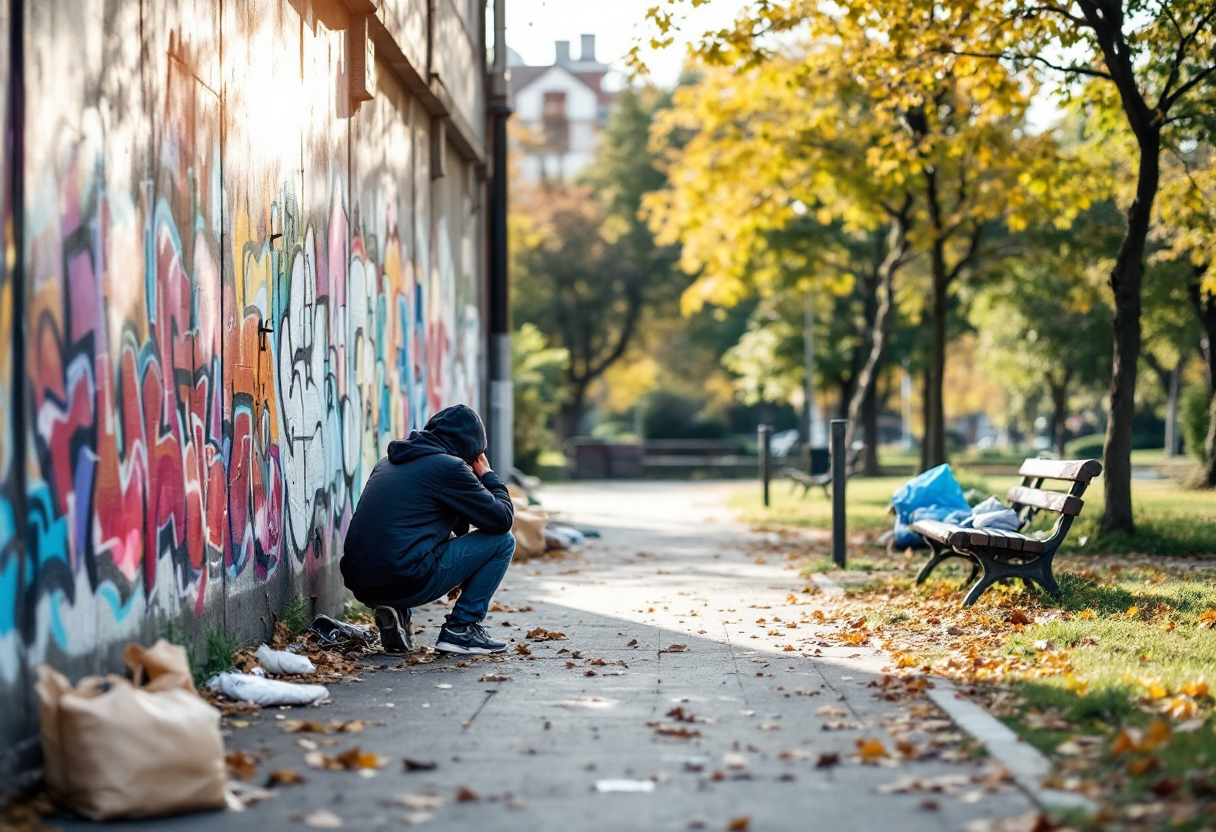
(237, 288)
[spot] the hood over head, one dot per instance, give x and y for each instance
(455, 430)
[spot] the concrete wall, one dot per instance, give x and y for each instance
(225, 293)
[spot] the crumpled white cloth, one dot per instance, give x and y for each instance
(992, 514)
(264, 692)
(283, 663)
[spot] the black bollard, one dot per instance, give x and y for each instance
(764, 435)
(838, 484)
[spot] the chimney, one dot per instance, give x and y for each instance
(563, 51)
(588, 55)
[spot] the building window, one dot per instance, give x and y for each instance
(557, 126)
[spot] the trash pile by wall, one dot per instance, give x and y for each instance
(227, 285)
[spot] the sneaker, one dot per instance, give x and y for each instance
(470, 639)
(394, 636)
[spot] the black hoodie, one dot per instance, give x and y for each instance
(414, 499)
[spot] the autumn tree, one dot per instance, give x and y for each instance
(924, 164)
(585, 268)
(1156, 67)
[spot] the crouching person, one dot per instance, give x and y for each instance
(409, 541)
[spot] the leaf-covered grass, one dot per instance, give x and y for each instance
(1115, 682)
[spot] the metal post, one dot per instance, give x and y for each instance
(838, 485)
(764, 437)
(808, 383)
(502, 394)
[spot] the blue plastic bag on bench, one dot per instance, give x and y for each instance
(933, 495)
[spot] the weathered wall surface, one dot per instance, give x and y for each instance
(231, 293)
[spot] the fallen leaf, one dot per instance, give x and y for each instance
(494, 677)
(241, 764)
(870, 750)
(541, 634)
(675, 648)
(739, 824)
(466, 795)
(285, 777)
(1207, 619)
(828, 759)
(1017, 617)
(305, 726)
(523, 649)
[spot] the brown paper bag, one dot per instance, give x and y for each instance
(529, 530)
(116, 750)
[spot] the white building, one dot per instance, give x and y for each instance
(561, 109)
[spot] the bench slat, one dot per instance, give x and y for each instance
(1049, 500)
(1074, 470)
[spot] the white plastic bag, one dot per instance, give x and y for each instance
(282, 663)
(266, 692)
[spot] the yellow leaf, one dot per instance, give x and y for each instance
(1207, 620)
(1132, 612)
(1087, 613)
(871, 750)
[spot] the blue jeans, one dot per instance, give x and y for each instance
(475, 562)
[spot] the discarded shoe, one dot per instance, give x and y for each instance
(471, 639)
(332, 631)
(394, 634)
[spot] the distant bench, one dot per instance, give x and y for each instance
(808, 481)
(996, 555)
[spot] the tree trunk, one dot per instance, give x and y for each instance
(869, 428)
(1207, 475)
(864, 393)
(570, 417)
(1205, 310)
(1059, 412)
(933, 450)
(1126, 279)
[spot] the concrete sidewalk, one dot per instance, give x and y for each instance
(671, 570)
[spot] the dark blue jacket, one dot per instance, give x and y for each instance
(415, 498)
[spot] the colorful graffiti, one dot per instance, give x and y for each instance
(216, 357)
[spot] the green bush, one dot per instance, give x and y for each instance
(1194, 411)
(1085, 447)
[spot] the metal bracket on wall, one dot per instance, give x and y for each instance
(262, 330)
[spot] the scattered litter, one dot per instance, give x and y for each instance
(332, 631)
(466, 795)
(418, 802)
(282, 663)
(675, 648)
(734, 760)
(266, 692)
(323, 819)
(419, 765)
(635, 786)
(494, 677)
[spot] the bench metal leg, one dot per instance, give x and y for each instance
(1038, 572)
(940, 553)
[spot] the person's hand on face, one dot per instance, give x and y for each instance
(481, 466)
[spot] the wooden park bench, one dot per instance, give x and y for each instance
(996, 555)
(798, 477)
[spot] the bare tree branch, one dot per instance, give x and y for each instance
(1077, 69)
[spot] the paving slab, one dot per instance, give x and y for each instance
(659, 614)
